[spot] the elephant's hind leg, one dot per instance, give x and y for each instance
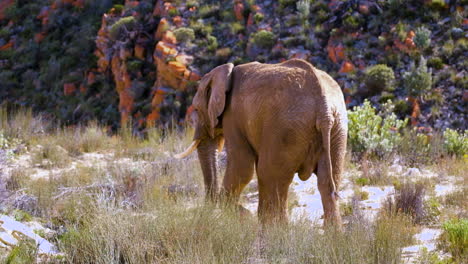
(329, 202)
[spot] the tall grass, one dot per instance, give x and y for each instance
(133, 207)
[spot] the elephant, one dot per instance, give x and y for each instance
(277, 119)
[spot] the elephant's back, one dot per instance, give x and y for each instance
(267, 98)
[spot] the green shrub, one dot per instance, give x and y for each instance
(284, 3)
(351, 22)
(303, 7)
(456, 143)
(371, 133)
(379, 77)
(264, 39)
(422, 37)
(22, 216)
(134, 64)
(184, 34)
(125, 22)
(258, 17)
(118, 8)
(454, 238)
(418, 79)
(212, 43)
(362, 181)
(173, 12)
(435, 62)
(207, 10)
(23, 253)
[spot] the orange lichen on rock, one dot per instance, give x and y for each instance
(4, 5)
(131, 4)
(44, 15)
(347, 67)
(39, 37)
(91, 78)
(239, 10)
(83, 89)
(162, 8)
(162, 27)
(8, 46)
(69, 88)
(79, 3)
(336, 53)
(169, 37)
(177, 20)
(123, 85)
(139, 51)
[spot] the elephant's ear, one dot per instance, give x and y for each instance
(211, 94)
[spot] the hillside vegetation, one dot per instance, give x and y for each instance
(138, 61)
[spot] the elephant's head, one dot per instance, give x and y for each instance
(209, 103)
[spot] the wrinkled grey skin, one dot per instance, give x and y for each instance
(276, 119)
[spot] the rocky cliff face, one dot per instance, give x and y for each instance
(139, 61)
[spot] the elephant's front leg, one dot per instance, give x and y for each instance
(273, 201)
(274, 179)
(239, 171)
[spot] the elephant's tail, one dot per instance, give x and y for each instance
(326, 135)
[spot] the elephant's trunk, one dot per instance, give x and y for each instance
(207, 156)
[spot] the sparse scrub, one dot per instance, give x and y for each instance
(391, 233)
(457, 198)
(454, 239)
(409, 199)
(50, 155)
(22, 124)
(418, 147)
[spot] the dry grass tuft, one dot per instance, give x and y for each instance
(409, 200)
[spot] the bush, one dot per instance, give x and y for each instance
(454, 238)
(264, 39)
(371, 133)
(303, 7)
(435, 62)
(422, 37)
(212, 43)
(125, 22)
(24, 252)
(379, 77)
(184, 34)
(456, 143)
(418, 79)
(258, 17)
